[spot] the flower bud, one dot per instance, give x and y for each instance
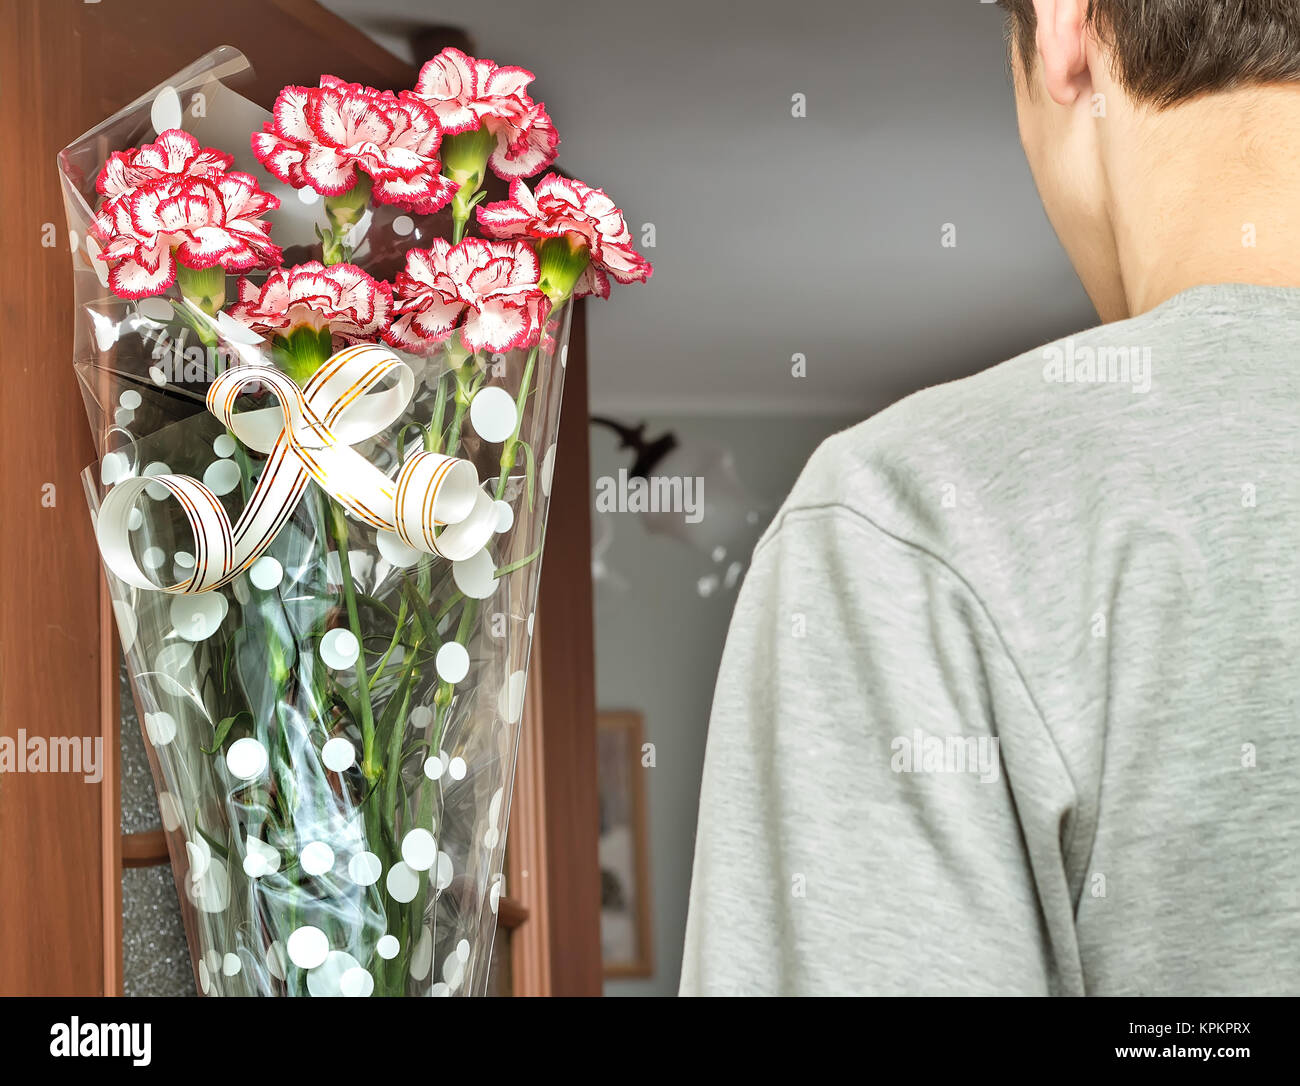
(562, 261)
(205, 287)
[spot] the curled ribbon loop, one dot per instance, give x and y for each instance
(435, 504)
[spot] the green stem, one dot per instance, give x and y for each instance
(339, 527)
(397, 634)
(510, 450)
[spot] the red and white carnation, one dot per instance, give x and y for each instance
(176, 155)
(202, 222)
(561, 207)
(467, 93)
(341, 297)
(319, 137)
(487, 289)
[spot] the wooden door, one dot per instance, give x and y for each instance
(72, 63)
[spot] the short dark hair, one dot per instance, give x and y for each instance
(1168, 51)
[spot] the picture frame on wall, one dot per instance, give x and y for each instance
(625, 906)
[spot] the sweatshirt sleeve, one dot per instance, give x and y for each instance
(858, 833)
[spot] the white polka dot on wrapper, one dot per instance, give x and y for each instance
(275, 960)
(260, 859)
(452, 662)
(246, 758)
(174, 669)
(308, 196)
(419, 850)
(316, 857)
(198, 617)
(166, 111)
(153, 557)
(403, 225)
(183, 559)
(440, 989)
(105, 333)
(546, 473)
(224, 445)
(356, 982)
(126, 624)
(394, 551)
(444, 873)
(421, 717)
(156, 490)
(493, 414)
(160, 727)
(326, 979)
(339, 649)
(453, 970)
(403, 883)
(476, 575)
(115, 467)
(123, 417)
(211, 892)
(308, 947)
(433, 767)
(230, 965)
(505, 516)
(266, 573)
(456, 768)
(130, 399)
(365, 868)
(494, 895)
(205, 978)
(169, 809)
(510, 702)
(388, 947)
(338, 754)
(422, 956)
(199, 855)
(221, 477)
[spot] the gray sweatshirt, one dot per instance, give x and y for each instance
(1011, 698)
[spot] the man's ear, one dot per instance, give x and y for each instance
(1062, 48)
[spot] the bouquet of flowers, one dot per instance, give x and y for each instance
(325, 463)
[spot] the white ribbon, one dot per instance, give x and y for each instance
(308, 437)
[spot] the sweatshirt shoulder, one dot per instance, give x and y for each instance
(1001, 439)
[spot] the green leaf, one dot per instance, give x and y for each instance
(217, 846)
(223, 730)
(421, 609)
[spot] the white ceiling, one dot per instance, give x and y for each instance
(778, 235)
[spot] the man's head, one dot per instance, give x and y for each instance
(1095, 78)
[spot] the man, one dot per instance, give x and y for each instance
(1011, 698)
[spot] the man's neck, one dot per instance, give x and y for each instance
(1206, 192)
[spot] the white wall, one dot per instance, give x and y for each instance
(658, 645)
